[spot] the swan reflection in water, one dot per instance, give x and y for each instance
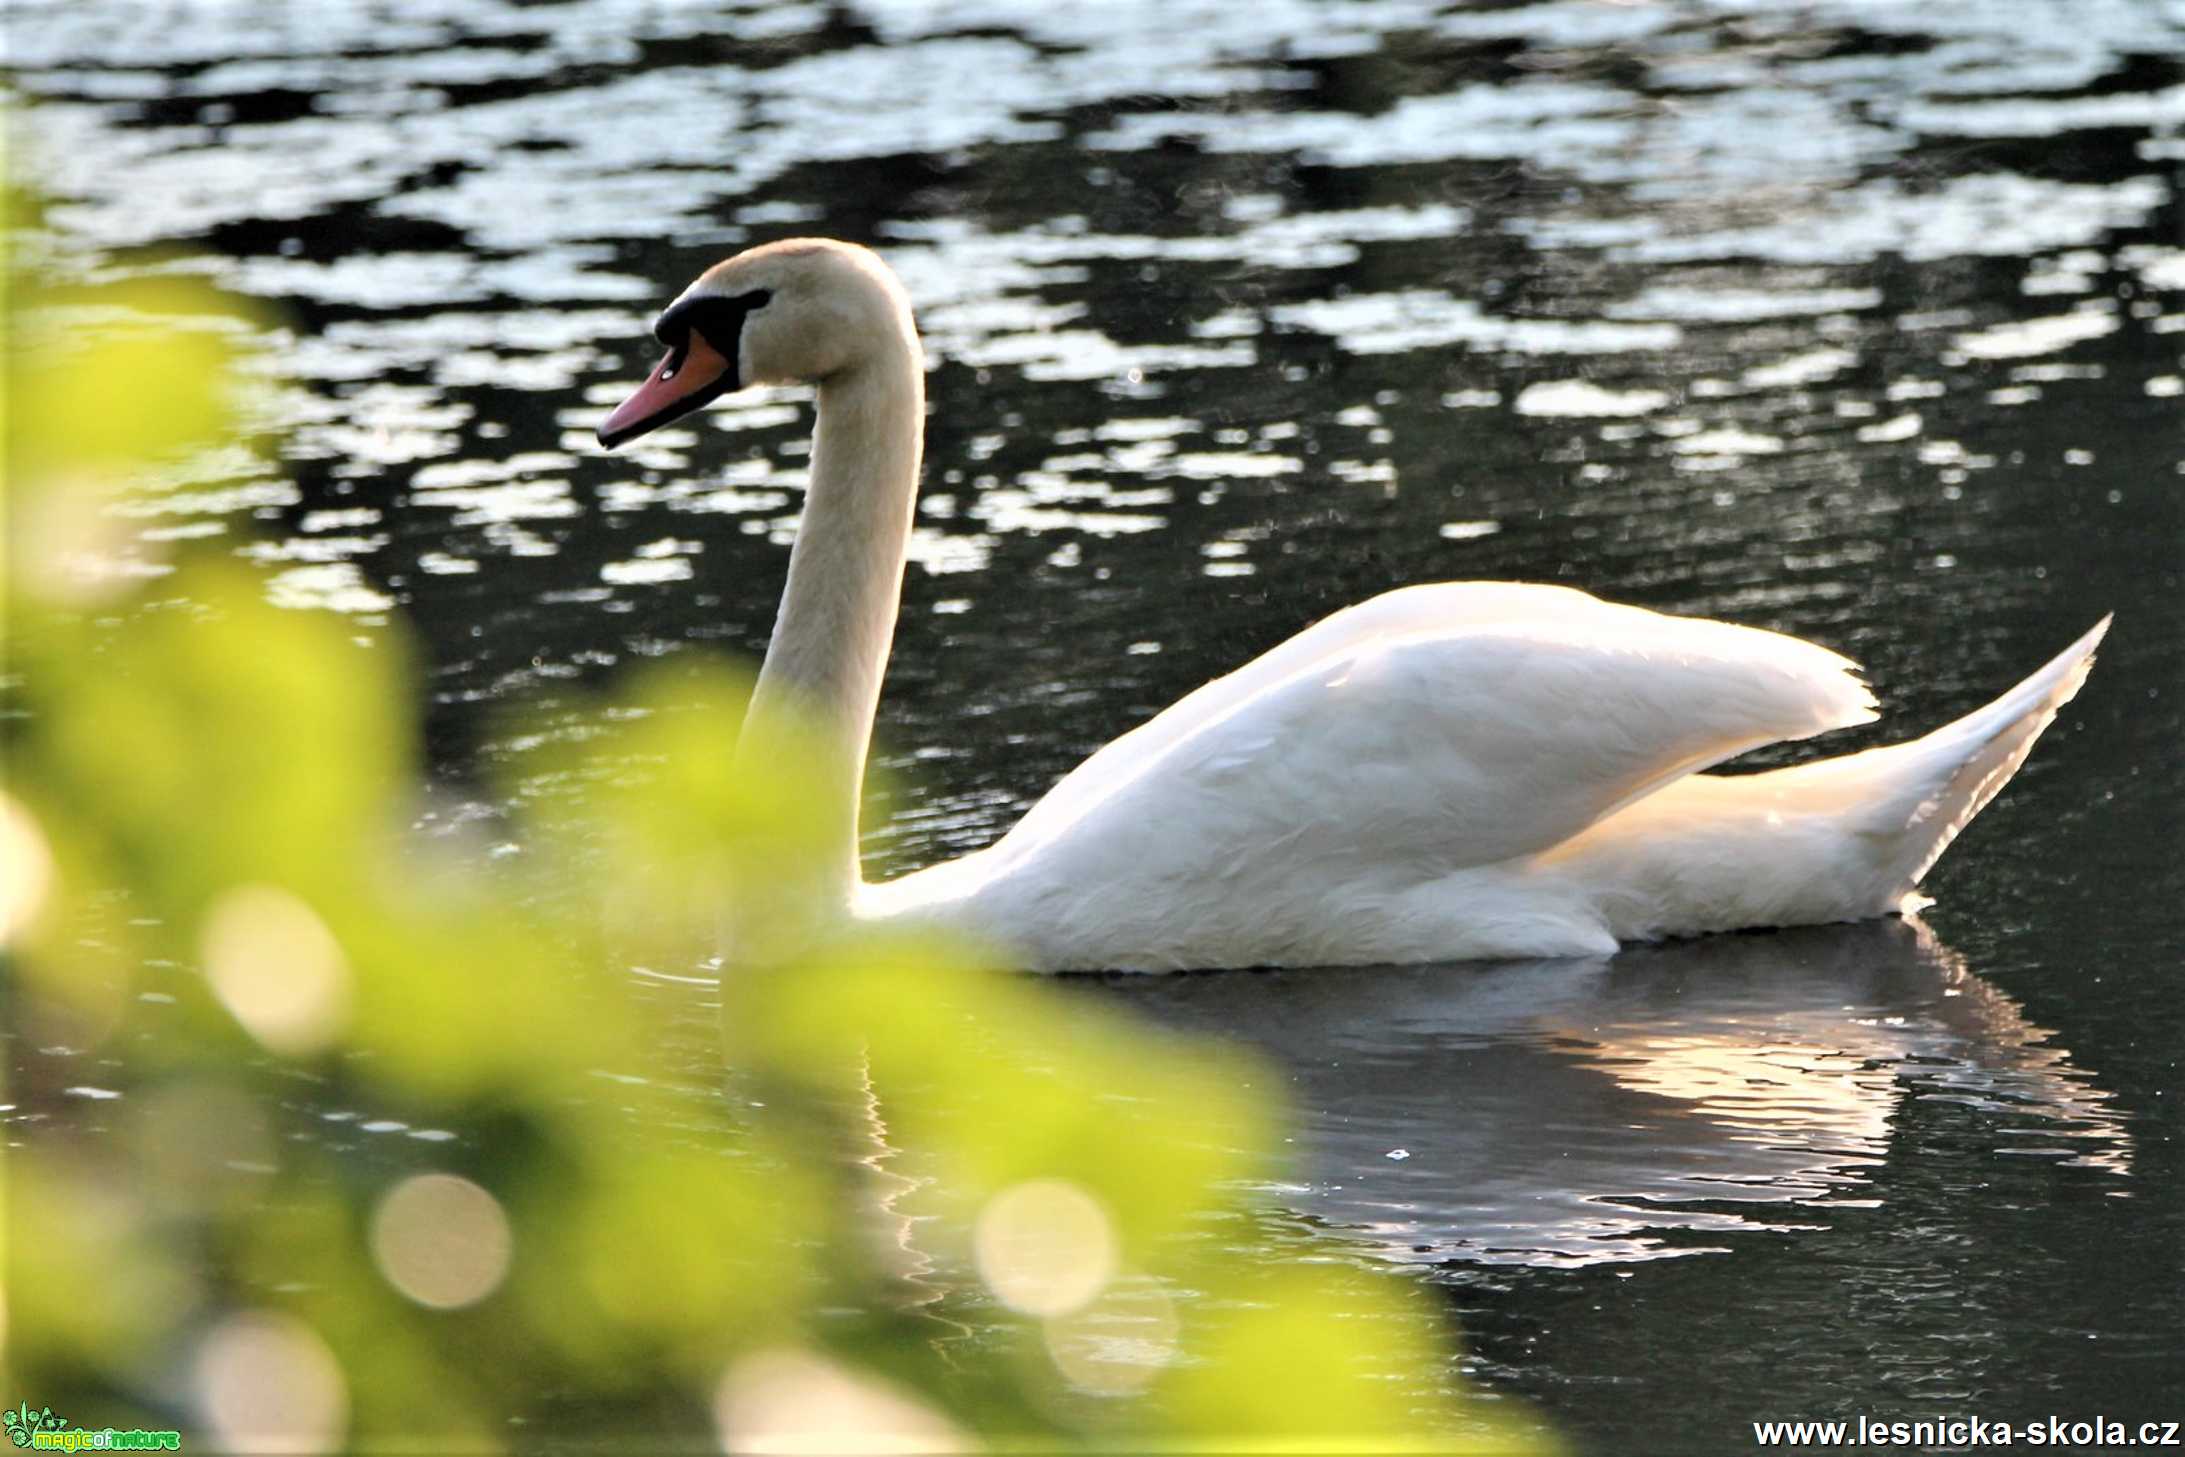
(1571, 1112)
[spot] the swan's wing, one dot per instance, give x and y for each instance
(1442, 606)
(1436, 728)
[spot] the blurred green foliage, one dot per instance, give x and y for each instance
(935, 1202)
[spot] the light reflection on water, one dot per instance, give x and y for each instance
(1860, 321)
(1570, 1113)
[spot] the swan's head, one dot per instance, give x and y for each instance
(794, 312)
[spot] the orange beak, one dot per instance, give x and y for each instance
(688, 379)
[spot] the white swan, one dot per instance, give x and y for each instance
(1471, 769)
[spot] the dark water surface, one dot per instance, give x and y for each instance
(1857, 321)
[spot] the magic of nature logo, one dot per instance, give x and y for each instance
(46, 1432)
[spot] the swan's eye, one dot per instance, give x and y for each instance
(719, 319)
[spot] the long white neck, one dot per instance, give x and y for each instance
(830, 646)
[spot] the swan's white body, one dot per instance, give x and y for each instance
(1478, 770)
(1460, 770)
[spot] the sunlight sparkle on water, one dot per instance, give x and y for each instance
(441, 1240)
(266, 1382)
(26, 868)
(1045, 1247)
(276, 968)
(791, 1401)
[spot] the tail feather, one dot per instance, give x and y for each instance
(1835, 840)
(1957, 769)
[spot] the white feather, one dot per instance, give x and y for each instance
(1518, 784)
